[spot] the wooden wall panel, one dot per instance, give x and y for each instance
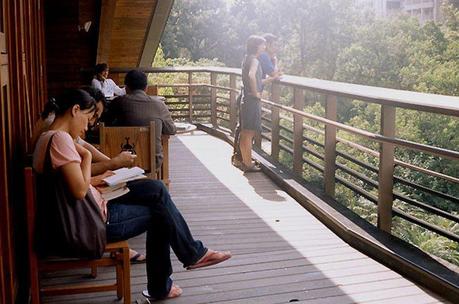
(69, 49)
(22, 95)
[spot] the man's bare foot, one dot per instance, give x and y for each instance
(175, 291)
(211, 257)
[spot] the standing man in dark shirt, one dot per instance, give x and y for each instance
(136, 108)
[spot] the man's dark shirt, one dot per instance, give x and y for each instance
(138, 109)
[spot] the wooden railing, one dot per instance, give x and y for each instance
(208, 95)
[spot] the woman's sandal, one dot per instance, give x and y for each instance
(211, 258)
(134, 257)
(175, 292)
(252, 168)
(138, 258)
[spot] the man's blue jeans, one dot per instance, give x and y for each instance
(149, 207)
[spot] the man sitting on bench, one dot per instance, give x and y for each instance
(136, 108)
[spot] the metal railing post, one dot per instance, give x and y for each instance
(298, 132)
(213, 99)
(275, 122)
(386, 169)
(330, 146)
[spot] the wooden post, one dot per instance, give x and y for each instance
(213, 99)
(386, 170)
(190, 97)
(298, 132)
(233, 105)
(275, 127)
(330, 146)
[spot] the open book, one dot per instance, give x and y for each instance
(124, 175)
(116, 184)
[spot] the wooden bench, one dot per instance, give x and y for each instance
(116, 254)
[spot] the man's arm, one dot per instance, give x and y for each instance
(166, 118)
(269, 66)
(101, 162)
(97, 156)
(124, 159)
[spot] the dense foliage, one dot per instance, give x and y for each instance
(339, 40)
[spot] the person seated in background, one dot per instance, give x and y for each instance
(147, 207)
(100, 162)
(136, 108)
(105, 84)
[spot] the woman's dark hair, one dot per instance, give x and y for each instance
(136, 80)
(252, 44)
(99, 68)
(96, 94)
(67, 100)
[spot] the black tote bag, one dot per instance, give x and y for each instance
(65, 226)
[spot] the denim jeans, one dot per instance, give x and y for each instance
(149, 207)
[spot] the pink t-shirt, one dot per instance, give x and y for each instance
(63, 151)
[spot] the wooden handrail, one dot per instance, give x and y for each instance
(434, 103)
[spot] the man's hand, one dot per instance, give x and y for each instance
(124, 159)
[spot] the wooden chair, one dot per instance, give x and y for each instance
(140, 141)
(117, 254)
(152, 90)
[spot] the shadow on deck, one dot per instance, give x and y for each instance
(281, 252)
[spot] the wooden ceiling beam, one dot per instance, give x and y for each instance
(107, 15)
(154, 32)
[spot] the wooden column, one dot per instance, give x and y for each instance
(275, 121)
(233, 105)
(298, 132)
(386, 170)
(330, 146)
(190, 97)
(213, 99)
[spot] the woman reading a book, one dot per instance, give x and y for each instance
(146, 207)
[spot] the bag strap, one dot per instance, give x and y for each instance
(48, 166)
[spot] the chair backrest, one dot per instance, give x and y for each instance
(152, 90)
(138, 140)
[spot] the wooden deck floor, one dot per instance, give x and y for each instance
(282, 254)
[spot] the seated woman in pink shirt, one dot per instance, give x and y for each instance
(147, 207)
